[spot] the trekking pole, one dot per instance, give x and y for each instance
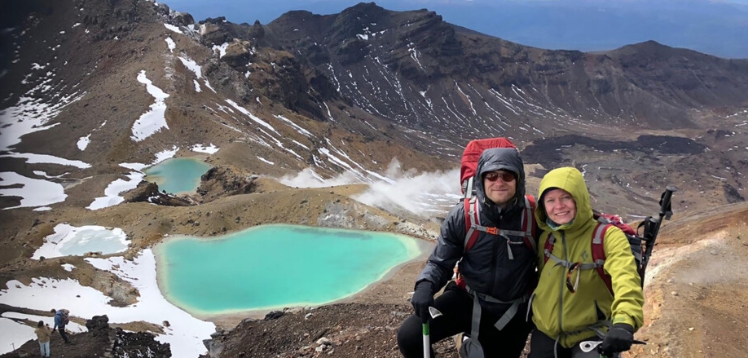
(433, 312)
(652, 226)
(426, 339)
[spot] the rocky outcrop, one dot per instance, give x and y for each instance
(220, 182)
(139, 344)
(98, 326)
(237, 54)
(148, 192)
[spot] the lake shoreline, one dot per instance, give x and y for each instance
(417, 250)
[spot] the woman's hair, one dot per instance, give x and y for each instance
(40, 324)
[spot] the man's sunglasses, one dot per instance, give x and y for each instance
(505, 176)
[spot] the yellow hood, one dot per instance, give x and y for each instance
(571, 180)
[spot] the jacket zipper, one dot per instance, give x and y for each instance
(562, 286)
(495, 252)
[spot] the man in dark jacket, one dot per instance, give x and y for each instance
(499, 268)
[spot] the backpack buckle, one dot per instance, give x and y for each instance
(492, 230)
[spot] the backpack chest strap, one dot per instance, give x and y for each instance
(574, 265)
(472, 213)
(500, 232)
(505, 235)
(548, 253)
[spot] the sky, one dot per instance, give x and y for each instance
(716, 27)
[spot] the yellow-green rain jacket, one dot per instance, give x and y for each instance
(567, 316)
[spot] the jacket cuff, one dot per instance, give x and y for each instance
(624, 320)
(625, 326)
(425, 284)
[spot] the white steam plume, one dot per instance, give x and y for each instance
(424, 194)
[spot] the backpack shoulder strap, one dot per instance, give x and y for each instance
(469, 188)
(598, 253)
(472, 220)
(528, 225)
(548, 247)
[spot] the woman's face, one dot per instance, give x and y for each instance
(560, 206)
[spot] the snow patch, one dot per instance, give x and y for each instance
(33, 192)
(32, 158)
(83, 142)
(173, 28)
(221, 49)
(170, 43)
(113, 190)
(68, 267)
(212, 149)
(152, 121)
(70, 240)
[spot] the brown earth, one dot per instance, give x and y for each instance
(696, 301)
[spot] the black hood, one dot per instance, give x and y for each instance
(500, 159)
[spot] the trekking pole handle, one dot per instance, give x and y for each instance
(665, 208)
(666, 211)
(652, 227)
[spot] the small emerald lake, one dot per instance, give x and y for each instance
(177, 175)
(275, 266)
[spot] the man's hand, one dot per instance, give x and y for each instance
(619, 338)
(422, 299)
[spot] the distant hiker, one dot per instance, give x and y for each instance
(61, 320)
(43, 333)
(496, 267)
(572, 302)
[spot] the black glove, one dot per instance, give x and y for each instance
(422, 299)
(619, 339)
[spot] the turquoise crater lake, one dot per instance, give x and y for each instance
(274, 266)
(177, 175)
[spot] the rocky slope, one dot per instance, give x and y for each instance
(344, 93)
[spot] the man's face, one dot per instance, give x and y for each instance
(500, 186)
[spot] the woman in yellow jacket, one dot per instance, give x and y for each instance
(572, 302)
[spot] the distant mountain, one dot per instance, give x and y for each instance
(714, 27)
(414, 68)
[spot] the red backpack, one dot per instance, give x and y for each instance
(473, 227)
(605, 221)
